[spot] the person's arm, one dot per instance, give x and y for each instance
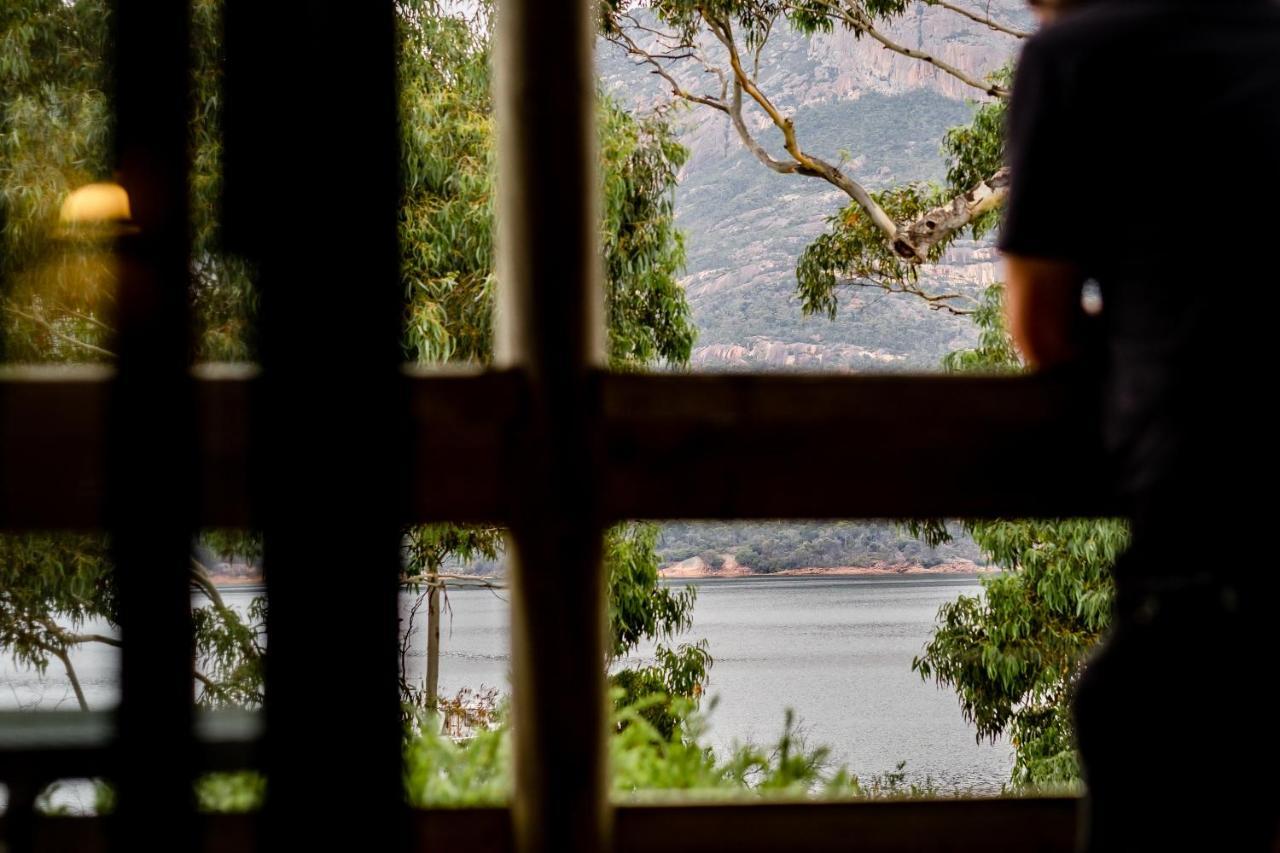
(1042, 309)
(1045, 237)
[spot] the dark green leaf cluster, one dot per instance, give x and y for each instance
(995, 352)
(46, 579)
(427, 547)
(648, 316)
(1013, 653)
(641, 608)
(855, 250)
(975, 151)
(446, 226)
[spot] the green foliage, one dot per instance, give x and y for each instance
(52, 583)
(427, 547)
(755, 19)
(230, 652)
(230, 792)
(54, 135)
(55, 129)
(1013, 653)
(446, 217)
(995, 352)
(677, 675)
(643, 761)
(648, 317)
(443, 771)
(640, 608)
(224, 300)
(45, 578)
(975, 151)
(215, 793)
(854, 248)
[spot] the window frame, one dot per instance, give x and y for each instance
(547, 442)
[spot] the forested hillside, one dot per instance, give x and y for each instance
(779, 545)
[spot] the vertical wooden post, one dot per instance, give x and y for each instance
(313, 154)
(151, 430)
(550, 326)
(434, 593)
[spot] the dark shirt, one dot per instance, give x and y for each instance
(1144, 142)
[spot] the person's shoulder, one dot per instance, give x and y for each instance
(1131, 27)
(1094, 27)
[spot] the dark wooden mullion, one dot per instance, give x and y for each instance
(550, 329)
(149, 499)
(313, 189)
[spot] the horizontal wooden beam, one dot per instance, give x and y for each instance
(788, 446)
(50, 745)
(921, 826)
(676, 446)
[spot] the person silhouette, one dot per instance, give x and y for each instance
(1143, 143)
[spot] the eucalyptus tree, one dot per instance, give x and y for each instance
(709, 54)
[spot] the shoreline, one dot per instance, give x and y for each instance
(696, 568)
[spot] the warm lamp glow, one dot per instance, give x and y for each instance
(95, 204)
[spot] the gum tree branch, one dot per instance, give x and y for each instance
(912, 241)
(937, 301)
(986, 21)
(49, 327)
(946, 219)
(199, 575)
(804, 163)
(859, 22)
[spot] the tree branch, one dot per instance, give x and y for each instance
(677, 90)
(859, 22)
(805, 164)
(911, 241)
(61, 654)
(66, 638)
(937, 301)
(48, 327)
(200, 578)
(981, 19)
(936, 225)
(91, 320)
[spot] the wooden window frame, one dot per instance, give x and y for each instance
(547, 442)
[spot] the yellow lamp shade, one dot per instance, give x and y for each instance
(96, 204)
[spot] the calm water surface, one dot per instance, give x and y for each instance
(836, 650)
